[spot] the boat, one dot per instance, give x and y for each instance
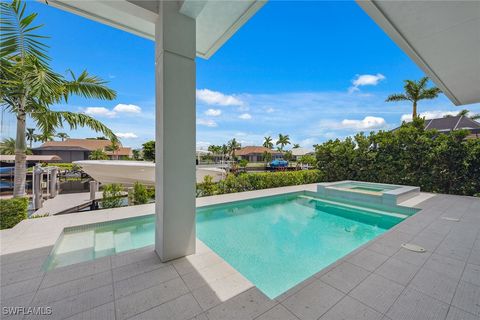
(128, 172)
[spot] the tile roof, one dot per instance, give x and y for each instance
(254, 150)
(84, 144)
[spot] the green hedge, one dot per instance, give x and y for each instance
(257, 181)
(409, 155)
(12, 211)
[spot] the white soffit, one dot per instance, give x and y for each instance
(442, 37)
(216, 21)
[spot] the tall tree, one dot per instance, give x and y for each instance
(268, 142)
(7, 147)
(283, 140)
(29, 86)
(148, 150)
(466, 113)
(31, 136)
(113, 147)
(414, 92)
(296, 146)
(98, 154)
(45, 136)
(63, 136)
(233, 145)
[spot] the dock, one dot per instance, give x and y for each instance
(65, 203)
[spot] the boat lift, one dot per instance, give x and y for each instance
(38, 184)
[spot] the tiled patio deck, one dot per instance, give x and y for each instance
(377, 281)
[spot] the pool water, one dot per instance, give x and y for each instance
(366, 186)
(278, 242)
(275, 242)
(367, 189)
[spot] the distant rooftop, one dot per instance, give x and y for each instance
(448, 124)
(84, 144)
(300, 151)
(254, 150)
(452, 123)
(40, 158)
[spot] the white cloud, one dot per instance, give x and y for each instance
(128, 108)
(270, 110)
(203, 145)
(99, 111)
(119, 108)
(365, 80)
(126, 135)
(217, 98)
(429, 115)
(368, 122)
(213, 112)
(245, 116)
(207, 122)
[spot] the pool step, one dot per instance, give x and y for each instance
(104, 244)
(123, 241)
(387, 213)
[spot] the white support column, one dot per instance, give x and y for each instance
(175, 132)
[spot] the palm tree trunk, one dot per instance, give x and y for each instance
(20, 156)
(414, 113)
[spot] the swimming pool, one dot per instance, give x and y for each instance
(275, 242)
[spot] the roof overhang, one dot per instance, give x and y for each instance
(216, 21)
(41, 158)
(442, 37)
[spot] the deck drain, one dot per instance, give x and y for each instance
(413, 247)
(451, 219)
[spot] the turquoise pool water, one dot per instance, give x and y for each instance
(366, 186)
(274, 242)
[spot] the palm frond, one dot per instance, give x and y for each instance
(397, 97)
(17, 32)
(49, 120)
(88, 86)
(422, 83)
(463, 112)
(430, 93)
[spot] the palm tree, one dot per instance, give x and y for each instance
(63, 136)
(31, 136)
(98, 154)
(283, 140)
(414, 92)
(45, 136)
(268, 142)
(224, 150)
(113, 147)
(233, 145)
(30, 86)
(296, 146)
(7, 147)
(466, 112)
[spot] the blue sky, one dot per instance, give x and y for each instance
(313, 70)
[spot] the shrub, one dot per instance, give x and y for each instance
(140, 194)
(112, 195)
(257, 181)
(207, 187)
(409, 155)
(12, 211)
